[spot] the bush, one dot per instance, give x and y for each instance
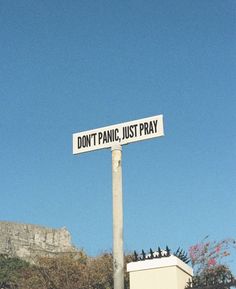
(208, 258)
(75, 271)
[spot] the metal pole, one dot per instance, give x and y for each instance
(118, 254)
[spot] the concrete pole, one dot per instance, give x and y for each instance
(118, 252)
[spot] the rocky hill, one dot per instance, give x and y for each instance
(29, 241)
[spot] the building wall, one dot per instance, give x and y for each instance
(163, 273)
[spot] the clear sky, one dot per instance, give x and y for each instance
(70, 66)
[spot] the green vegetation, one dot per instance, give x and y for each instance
(10, 271)
(75, 271)
(79, 271)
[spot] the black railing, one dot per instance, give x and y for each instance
(223, 281)
(160, 253)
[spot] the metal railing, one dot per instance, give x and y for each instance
(223, 281)
(160, 253)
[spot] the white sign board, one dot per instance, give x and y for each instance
(122, 133)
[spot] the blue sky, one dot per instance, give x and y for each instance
(70, 66)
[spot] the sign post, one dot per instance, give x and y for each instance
(118, 251)
(114, 137)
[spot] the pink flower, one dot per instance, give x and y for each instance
(218, 249)
(212, 262)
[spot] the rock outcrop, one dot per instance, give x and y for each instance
(29, 241)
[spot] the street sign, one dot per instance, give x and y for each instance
(118, 134)
(115, 136)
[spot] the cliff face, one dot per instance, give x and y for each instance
(28, 241)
